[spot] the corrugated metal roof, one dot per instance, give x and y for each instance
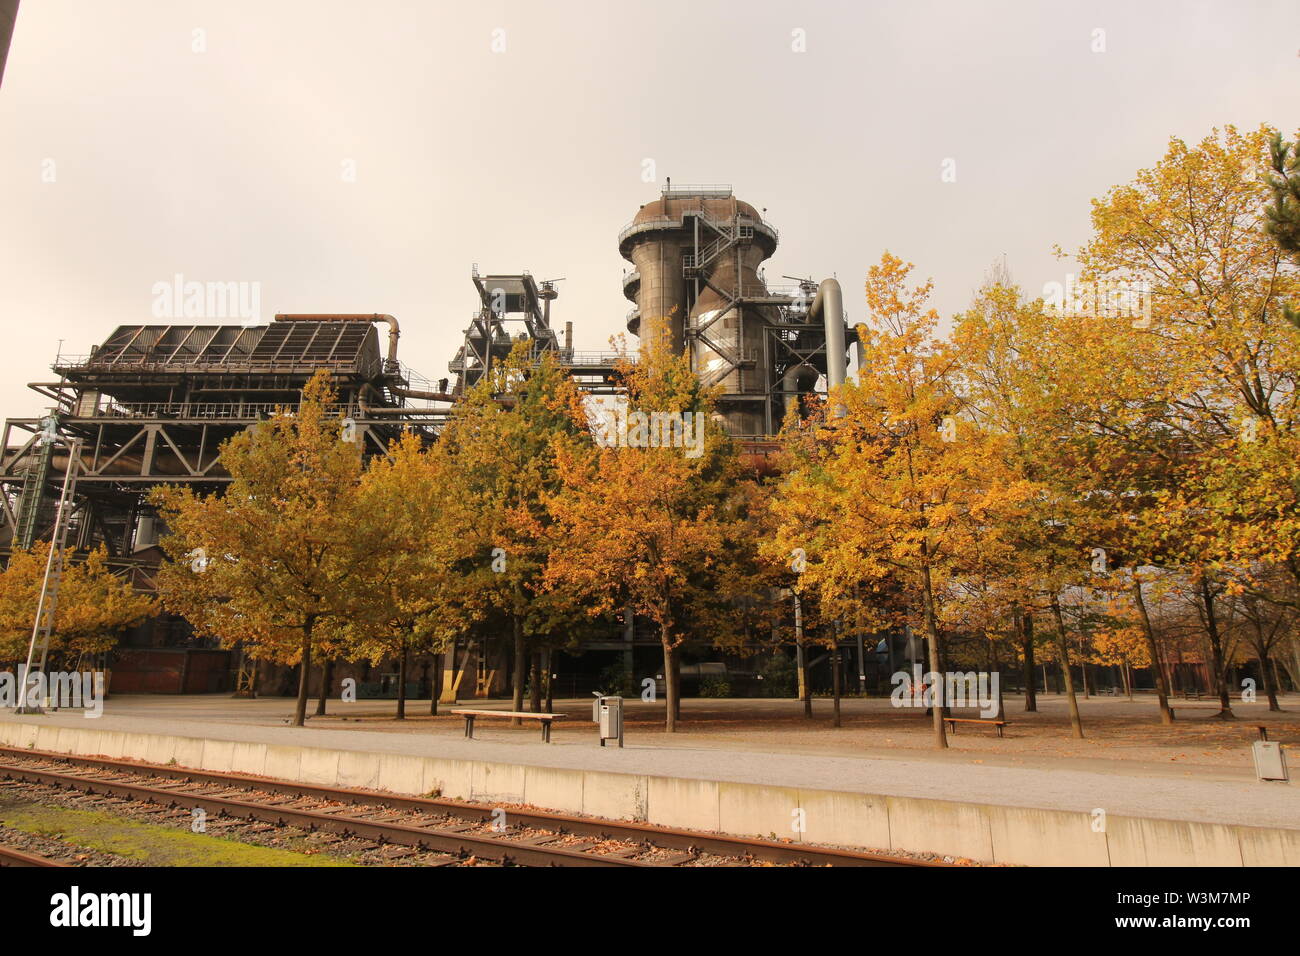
(280, 346)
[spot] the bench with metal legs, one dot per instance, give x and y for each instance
(544, 719)
(952, 723)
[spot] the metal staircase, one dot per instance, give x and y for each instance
(726, 235)
(33, 495)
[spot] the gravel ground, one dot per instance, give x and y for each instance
(361, 852)
(308, 843)
(47, 846)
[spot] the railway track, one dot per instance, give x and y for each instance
(453, 830)
(11, 857)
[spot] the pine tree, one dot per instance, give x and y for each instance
(1283, 215)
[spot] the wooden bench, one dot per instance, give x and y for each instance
(952, 723)
(544, 719)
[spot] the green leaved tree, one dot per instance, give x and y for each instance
(279, 559)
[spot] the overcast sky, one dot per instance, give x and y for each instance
(133, 148)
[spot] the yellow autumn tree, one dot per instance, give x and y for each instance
(502, 447)
(93, 605)
(279, 559)
(412, 590)
(1121, 642)
(1199, 392)
(908, 485)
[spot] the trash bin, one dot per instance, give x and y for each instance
(1270, 760)
(610, 719)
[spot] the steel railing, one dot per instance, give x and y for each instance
(675, 222)
(237, 363)
(198, 410)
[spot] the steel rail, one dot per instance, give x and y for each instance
(665, 837)
(424, 838)
(12, 857)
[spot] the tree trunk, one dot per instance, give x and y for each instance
(1270, 685)
(835, 677)
(550, 683)
(997, 669)
(801, 655)
(1025, 625)
(326, 678)
(438, 664)
(1063, 647)
(521, 664)
(1216, 651)
(401, 683)
(670, 688)
(677, 682)
(535, 684)
(1157, 669)
(932, 633)
(1083, 666)
(304, 671)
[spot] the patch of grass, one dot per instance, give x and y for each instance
(151, 844)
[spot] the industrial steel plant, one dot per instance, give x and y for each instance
(152, 403)
(956, 529)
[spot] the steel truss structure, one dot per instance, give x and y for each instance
(518, 299)
(153, 404)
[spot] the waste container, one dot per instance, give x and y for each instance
(1270, 760)
(610, 719)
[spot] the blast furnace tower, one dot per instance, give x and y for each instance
(696, 252)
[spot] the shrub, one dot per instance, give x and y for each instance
(617, 682)
(715, 687)
(779, 677)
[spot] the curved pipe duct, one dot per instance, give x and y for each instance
(393, 331)
(796, 381)
(829, 304)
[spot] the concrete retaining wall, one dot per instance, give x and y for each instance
(981, 832)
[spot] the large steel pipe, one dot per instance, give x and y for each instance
(829, 305)
(797, 381)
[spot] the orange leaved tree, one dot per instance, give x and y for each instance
(645, 525)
